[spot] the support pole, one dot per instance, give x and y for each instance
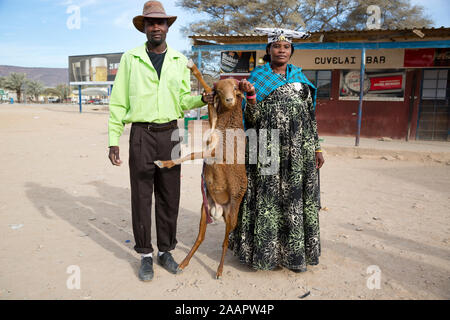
(361, 94)
(199, 65)
(412, 100)
(79, 97)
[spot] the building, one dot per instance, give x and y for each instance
(406, 80)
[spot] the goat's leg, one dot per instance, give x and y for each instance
(192, 156)
(211, 108)
(200, 238)
(230, 216)
(229, 227)
(171, 163)
(212, 114)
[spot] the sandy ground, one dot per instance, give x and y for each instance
(63, 204)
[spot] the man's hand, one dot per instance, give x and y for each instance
(319, 160)
(207, 97)
(114, 155)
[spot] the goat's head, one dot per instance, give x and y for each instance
(227, 91)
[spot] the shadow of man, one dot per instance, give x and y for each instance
(99, 218)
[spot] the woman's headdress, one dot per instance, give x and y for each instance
(277, 34)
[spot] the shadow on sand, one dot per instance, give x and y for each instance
(106, 219)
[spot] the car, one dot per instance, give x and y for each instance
(93, 101)
(53, 100)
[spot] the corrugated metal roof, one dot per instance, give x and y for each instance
(406, 34)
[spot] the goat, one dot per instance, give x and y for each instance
(226, 181)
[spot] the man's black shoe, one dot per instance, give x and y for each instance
(167, 262)
(146, 270)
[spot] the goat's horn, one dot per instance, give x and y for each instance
(191, 65)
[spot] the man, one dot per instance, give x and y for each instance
(151, 90)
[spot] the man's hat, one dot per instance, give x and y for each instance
(152, 9)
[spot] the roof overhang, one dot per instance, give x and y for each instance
(350, 39)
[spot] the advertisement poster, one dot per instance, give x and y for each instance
(92, 69)
(379, 83)
(237, 61)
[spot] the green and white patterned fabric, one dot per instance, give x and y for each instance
(278, 222)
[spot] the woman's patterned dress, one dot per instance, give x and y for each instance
(278, 222)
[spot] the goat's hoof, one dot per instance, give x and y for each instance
(179, 270)
(218, 276)
(159, 163)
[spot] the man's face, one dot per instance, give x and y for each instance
(156, 30)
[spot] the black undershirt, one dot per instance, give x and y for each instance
(157, 61)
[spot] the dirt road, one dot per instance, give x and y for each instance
(385, 230)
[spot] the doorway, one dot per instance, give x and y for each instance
(434, 111)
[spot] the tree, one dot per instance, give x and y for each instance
(63, 91)
(34, 89)
(395, 14)
(51, 92)
(2, 82)
(241, 16)
(238, 16)
(16, 82)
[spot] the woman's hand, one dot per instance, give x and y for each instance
(247, 87)
(319, 160)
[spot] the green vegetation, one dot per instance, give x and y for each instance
(31, 90)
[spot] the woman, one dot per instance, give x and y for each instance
(278, 219)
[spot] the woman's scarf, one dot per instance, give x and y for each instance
(266, 81)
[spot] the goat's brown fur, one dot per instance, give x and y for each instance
(226, 182)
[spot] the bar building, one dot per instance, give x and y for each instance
(406, 79)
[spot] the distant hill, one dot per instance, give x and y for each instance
(50, 77)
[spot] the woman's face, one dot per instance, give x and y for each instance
(280, 52)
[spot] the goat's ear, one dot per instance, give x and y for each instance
(239, 94)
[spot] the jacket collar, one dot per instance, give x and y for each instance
(141, 53)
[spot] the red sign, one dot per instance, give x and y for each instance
(419, 58)
(423, 58)
(386, 83)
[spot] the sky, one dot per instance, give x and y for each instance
(43, 33)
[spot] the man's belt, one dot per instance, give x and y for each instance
(152, 126)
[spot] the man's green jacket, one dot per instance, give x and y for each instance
(139, 96)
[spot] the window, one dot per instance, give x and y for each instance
(379, 85)
(322, 80)
(434, 84)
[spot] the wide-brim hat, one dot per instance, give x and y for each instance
(152, 9)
